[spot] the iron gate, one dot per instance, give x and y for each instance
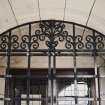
(60, 39)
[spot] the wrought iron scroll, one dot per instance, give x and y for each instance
(53, 32)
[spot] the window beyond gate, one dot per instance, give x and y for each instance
(52, 85)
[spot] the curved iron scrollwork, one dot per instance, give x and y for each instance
(99, 42)
(14, 41)
(74, 42)
(4, 42)
(95, 42)
(53, 32)
(25, 42)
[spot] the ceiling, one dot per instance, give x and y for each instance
(86, 12)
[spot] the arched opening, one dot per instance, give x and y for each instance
(43, 60)
(82, 91)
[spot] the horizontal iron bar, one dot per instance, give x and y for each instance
(39, 99)
(23, 99)
(71, 99)
(43, 54)
(56, 50)
(46, 76)
(72, 76)
(24, 76)
(73, 96)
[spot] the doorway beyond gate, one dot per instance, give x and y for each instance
(65, 90)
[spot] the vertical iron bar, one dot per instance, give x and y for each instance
(54, 79)
(50, 80)
(75, 68)
(95, 66)
(28, 70)
(96, 80)
(52, 86)
(51, 70)
(7, 89)
(98, 75)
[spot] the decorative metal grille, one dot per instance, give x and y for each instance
(53, 33)
(49, 38)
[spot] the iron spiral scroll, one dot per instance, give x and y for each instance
(52, 33)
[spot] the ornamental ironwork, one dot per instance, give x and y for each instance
(52, 33)
(49, 38)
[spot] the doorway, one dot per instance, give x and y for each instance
(65, 90)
